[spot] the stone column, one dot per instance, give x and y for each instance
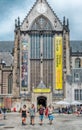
(15, 87)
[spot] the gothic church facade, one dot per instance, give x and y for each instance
(44, 63)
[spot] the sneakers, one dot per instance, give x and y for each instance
(23, 123)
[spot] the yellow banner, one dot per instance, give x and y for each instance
(39, 90)
(58, 62)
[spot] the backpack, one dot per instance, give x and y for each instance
(41, 111)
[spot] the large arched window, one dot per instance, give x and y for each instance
(41, 51)
(41, 23)
(77, 63)
(41, 41)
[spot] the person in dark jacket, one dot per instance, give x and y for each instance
(4, 112)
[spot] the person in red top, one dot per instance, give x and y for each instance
(46, 112)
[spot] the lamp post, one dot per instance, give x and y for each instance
(70, 93)
(59, 93)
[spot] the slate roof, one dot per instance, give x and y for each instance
(6, 46)
(7, 58)
(76, 46)
(6, 49)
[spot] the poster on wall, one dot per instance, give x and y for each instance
(24, 65)
(58, 62)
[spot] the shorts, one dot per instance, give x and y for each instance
(50, 117)
(24, 116)
(32, 117)
(41, 117)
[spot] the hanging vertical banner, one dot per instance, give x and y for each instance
(24, 64)
(58, 62)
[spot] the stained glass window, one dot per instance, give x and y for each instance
(41, 23)
(24, 64)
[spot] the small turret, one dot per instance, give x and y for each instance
(15, 23)
(18, 22)
(64, 21)
(68, 24)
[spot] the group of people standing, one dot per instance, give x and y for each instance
(47, 112)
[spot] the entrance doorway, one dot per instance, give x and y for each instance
(42, 101)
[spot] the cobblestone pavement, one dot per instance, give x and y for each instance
(60, 122)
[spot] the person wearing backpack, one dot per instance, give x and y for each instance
(41, 114)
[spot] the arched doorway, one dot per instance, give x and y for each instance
(42, 101)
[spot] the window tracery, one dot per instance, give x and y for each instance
(41, 23)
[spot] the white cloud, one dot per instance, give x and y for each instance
(7, 25)
(71, 9)
(66, 4)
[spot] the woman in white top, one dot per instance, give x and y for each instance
(50, 116)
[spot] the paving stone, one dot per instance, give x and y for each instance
(60, 122)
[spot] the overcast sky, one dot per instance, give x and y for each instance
(11, 9)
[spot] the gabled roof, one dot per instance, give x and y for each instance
(41, 85)
(36, 2)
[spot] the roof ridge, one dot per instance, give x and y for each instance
(29, 12)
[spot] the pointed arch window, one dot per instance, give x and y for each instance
(41, 44)
(77, 63)
(10, 81)
(41, 23)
